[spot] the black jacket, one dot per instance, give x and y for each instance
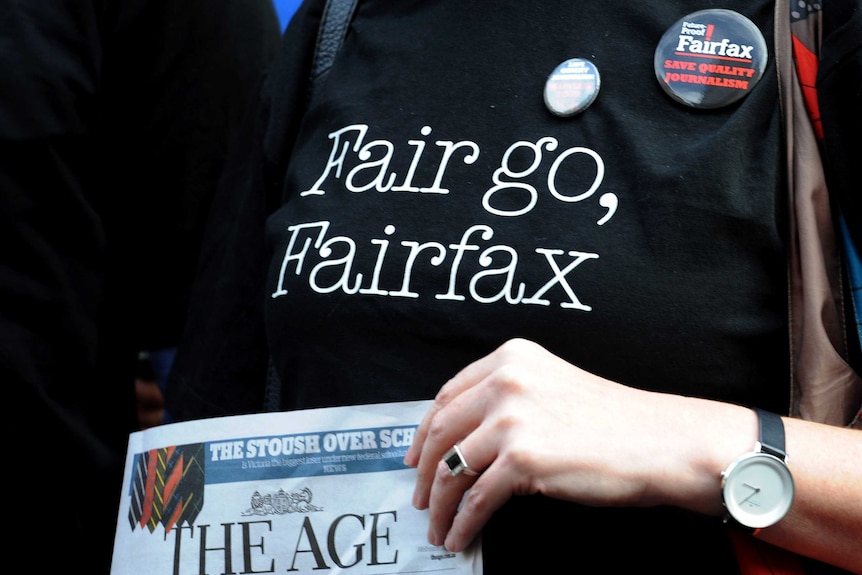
(114, 122)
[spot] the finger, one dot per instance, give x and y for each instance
(148, 394)
(150, 417)
(460, 506)
(446, 494)
(489, 492)
(448, 426)
(463, 380)
(150, 403)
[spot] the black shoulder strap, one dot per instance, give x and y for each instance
(333, 27)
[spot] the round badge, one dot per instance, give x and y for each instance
(710, 58)
(572, 87)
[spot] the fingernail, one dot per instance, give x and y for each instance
(409, 458)
(432, 538)
(451, 547)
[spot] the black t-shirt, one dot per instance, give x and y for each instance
(437, 208)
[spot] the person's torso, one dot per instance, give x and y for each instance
(437, 208)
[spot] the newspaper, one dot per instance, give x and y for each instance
(319, 490)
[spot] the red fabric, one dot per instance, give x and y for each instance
(806, 69)
(756, 557)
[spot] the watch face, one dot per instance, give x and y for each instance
(757, 490)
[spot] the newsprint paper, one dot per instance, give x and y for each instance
(312, 491)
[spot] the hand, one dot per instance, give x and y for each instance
(150, 403)
(529, 422)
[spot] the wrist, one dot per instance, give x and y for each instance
(711, 434)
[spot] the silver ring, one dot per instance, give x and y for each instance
(456, 463)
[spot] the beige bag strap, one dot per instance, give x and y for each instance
(824, 388)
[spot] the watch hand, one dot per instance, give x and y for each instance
(755, 491)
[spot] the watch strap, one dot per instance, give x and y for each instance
(771, 441)
(771, 433)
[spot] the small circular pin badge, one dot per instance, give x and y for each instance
(572, 87)
(710, 58)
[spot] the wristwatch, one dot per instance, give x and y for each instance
(757, 489)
